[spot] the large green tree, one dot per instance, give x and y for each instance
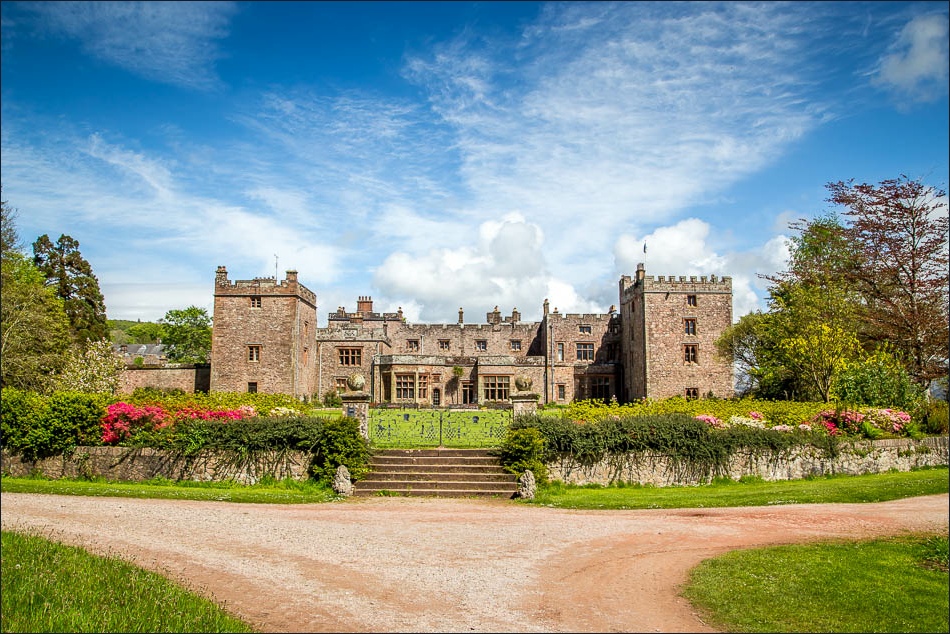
(901, 232)
(73, 281)
(187, 335)
(34, 329)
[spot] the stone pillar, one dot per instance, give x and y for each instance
(524, 403)
(356, 402)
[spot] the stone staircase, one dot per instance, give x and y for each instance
(438, 473)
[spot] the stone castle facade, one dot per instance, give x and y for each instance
(659, 344)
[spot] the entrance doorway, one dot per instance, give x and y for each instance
(436, 397)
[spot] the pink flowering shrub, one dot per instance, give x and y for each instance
(224, 415)
(838, 423)
(888, 420)
(712, 421)
(756, 415)
(122, 420)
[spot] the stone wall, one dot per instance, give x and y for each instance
(188, 378)
(137, 464)
(855, 458)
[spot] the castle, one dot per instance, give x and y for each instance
(660, 343)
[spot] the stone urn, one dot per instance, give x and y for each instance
(523, 383)
(356, 382)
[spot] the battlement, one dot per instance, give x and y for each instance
(264, 286)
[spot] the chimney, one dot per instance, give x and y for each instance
(546, 307)
(494, 317)
(364, 304)
(640, 272)
(515, 316)
(221, 276)
(460, 315)
(292, 276)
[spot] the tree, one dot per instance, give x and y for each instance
(9, 237)
(70, 275)
(187, 335)
(146, 332)
(901, 231)
(95, 369)
(751, 345)
(34, 329)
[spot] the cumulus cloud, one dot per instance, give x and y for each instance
(169, 42)
(917, 64)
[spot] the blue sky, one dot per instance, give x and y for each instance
(445, 155)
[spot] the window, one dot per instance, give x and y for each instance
(585, 330)
(468, 392)
(560, 352)
(351, 356)
(340, 383)
(613, 352)
(690, 300)
(422, 386)
(516, 344)
(412, 345)
(444, 344)
(255, 301)
(692, 392)
(585, 352)
(481, 345)
(689, 353)
(253, 353)
(252, 387)
(689, 326)
(405, 386)
(614, 328)
(496, 388)
(561, 392)
(600, 387)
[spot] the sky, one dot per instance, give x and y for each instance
(446, 155)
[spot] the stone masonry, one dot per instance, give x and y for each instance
(265, 339)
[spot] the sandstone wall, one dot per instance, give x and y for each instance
(189, 378)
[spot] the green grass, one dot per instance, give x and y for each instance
(50, 587)
(418, 428)
(750, 492)
(884, 585)
(268, 492)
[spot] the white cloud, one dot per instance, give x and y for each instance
(169, 42)
(917, 64)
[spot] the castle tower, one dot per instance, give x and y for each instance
(263, 336)
(669, 331)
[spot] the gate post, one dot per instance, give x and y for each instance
(356, 402)
(523, 402)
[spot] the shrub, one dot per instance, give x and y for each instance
(340, 444)
(332, 399)
(523, 449)
(935, 418)
(38, 427)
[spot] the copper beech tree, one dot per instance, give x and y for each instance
(899, 230)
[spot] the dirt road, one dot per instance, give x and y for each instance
(444, 565)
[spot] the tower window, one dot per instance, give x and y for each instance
(690, 300)
(253, 353)
(689, 325)
(256, 301)
(481, 345)
(692, 393)
(689, 353)
(585, 352)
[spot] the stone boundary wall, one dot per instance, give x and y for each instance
(137, 464)
(189, 378)
(854, 458)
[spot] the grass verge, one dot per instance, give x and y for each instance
(878, 487)
(895, 584)
(50, 587)
(268, 492)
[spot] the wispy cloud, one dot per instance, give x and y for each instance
(168, 42)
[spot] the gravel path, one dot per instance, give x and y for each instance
(444, 565)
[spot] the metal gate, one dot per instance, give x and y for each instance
(419, 428)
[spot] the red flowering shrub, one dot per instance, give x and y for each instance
(123, 420)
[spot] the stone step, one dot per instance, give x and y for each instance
(438, 476)
(436, 472)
